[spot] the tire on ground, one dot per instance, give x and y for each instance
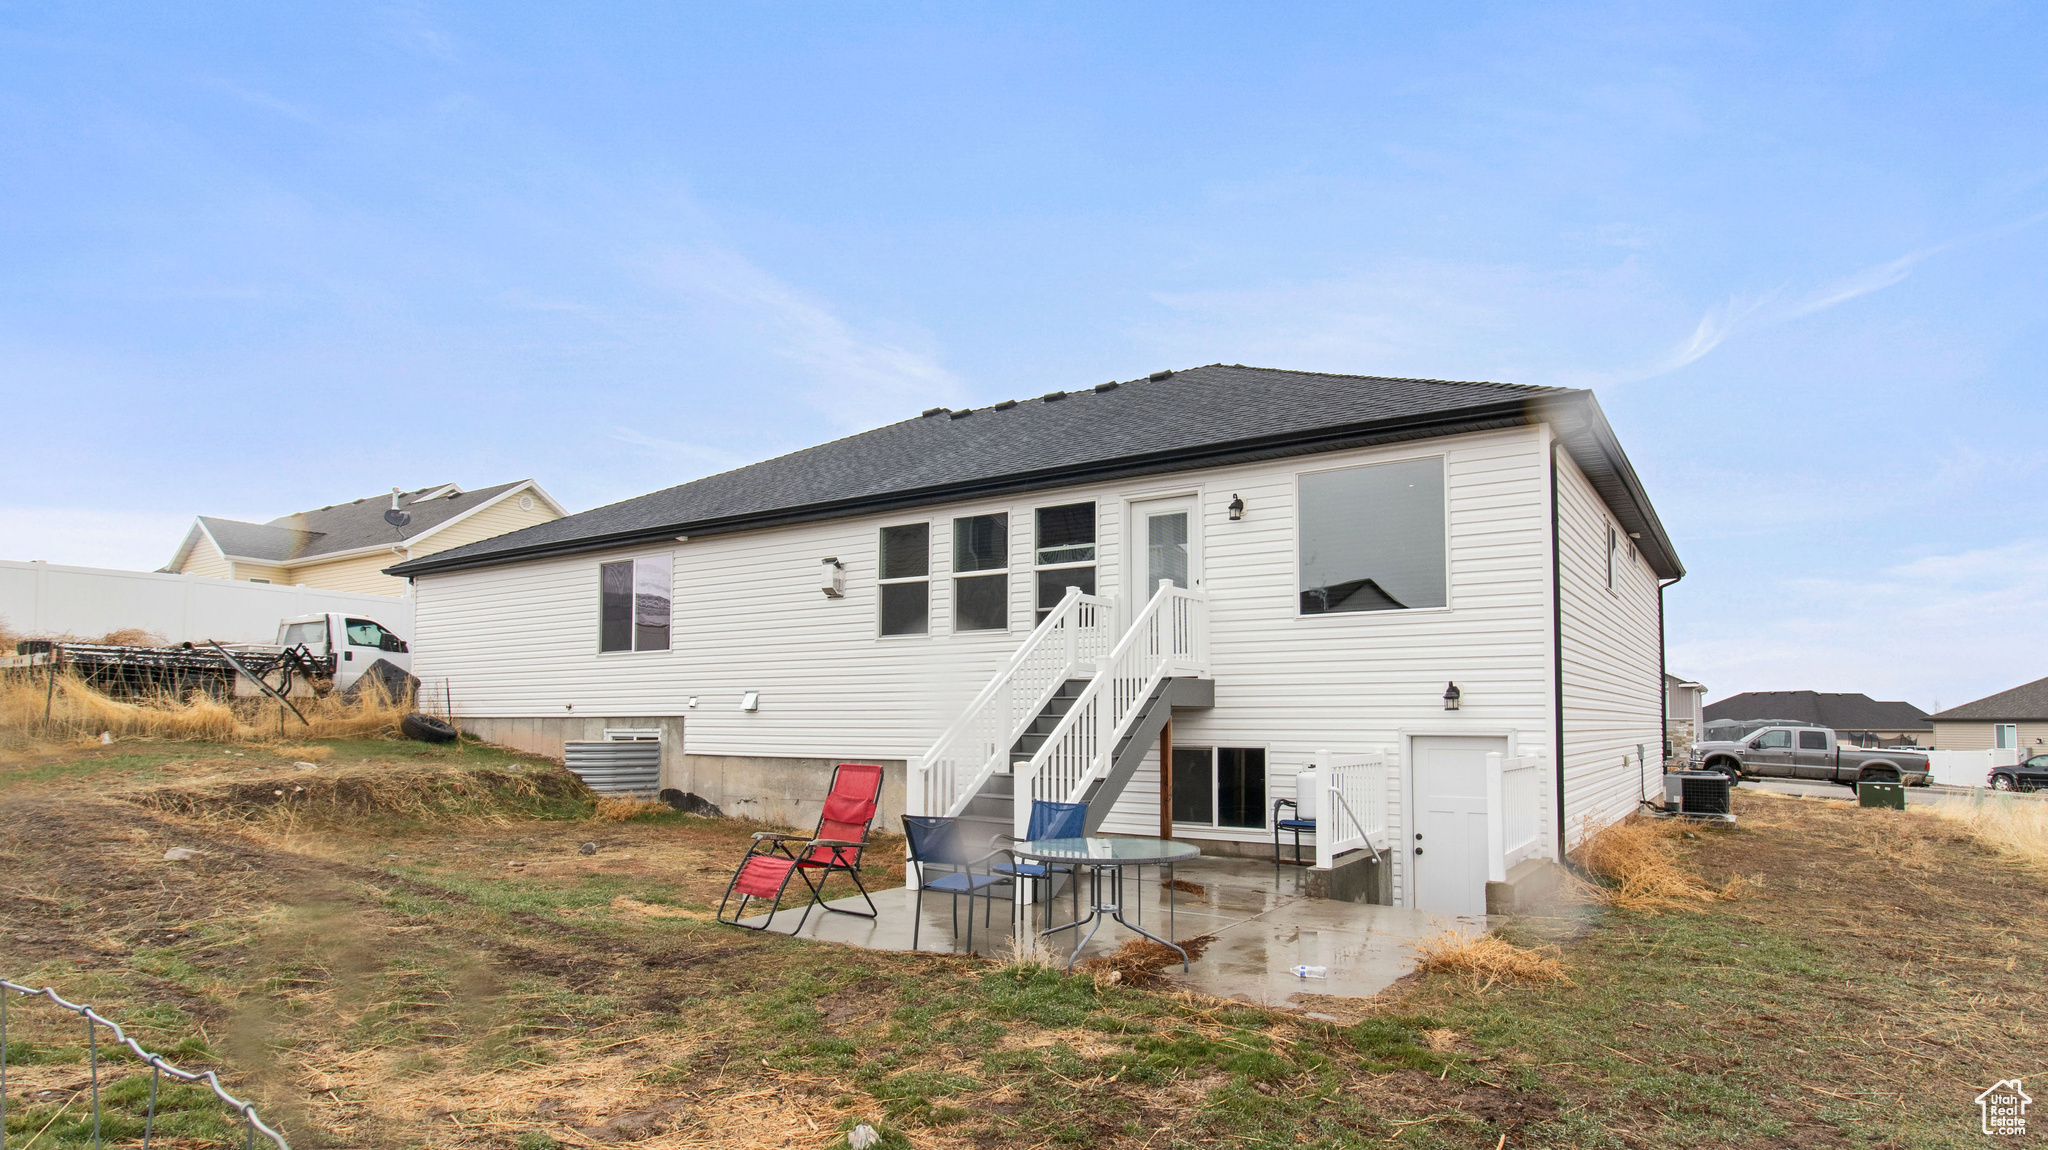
(426, 728)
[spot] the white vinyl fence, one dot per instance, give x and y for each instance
(1968, 768)
(46, 599)
(1519, 813)
(1354, 794)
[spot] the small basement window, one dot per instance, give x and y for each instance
(981, 575)
(635, 604)
(1220, 787)
(906, 591)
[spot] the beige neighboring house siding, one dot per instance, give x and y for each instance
(245, 571)
(363, 573)
(206, 560)
(500, 517)
(1977, 735)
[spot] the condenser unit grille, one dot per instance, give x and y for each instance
(617, 768)
(1704, 795)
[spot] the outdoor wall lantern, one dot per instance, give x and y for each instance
(1451, 696)
(1236, 507)
(832, 578)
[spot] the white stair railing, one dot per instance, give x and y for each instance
(1518, 813)
(1353, 798)
(1169, 636)
(1066, 645)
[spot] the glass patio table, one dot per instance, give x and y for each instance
(1105, 859)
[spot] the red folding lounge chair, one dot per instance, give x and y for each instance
(836, 846)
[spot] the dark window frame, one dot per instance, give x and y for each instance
(1214, 800)
(996, 572)
(624, 624)
(1045, 594)
(884, 582)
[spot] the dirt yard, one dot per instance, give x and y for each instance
(391, 945)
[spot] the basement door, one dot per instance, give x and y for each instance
(1447, 777)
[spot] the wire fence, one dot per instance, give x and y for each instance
(158, 1070)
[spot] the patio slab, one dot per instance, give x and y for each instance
(1264, 922)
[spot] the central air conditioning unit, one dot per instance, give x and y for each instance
(1698, 795)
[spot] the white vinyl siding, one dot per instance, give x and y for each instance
(1611, 676)
(748, 617)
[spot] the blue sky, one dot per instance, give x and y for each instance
(259, 258)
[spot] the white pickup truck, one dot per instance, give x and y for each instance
(355, 642)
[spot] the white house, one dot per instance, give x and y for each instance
(1345, 560)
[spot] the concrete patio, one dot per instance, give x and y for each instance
(1263, 920)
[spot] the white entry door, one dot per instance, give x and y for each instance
(1447, 777)
(1165, 542)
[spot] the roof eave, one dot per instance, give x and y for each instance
(1518, 411)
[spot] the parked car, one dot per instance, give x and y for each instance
(1796, 752)
(2025, 775)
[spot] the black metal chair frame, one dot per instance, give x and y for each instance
(1297, 825)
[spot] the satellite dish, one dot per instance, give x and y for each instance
(397, 518)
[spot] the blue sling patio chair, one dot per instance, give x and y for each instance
(1049, 820)
(946, 864)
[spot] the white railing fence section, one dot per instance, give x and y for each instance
(1352, 803)
(1068, 644)
(1167, 637)
(1968, 768)
(1518, 812)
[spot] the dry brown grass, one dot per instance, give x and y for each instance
(1637, 860)
(2012, 825)
(1487, 959)
(76, 711)
(1138, 961)
(622, 809)
(120, 637)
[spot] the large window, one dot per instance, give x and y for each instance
(981, 573)
(1372, 538)
(906, 588)
(634, 605)
(1065, 553)
(1220, 787)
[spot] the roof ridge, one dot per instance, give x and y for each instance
(1392, 378)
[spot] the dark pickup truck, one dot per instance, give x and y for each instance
(1808, 753)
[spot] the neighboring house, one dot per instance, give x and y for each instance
(1856, 718)
(1684, 715)
(1341, 554)
(2010, 720)
(346, 546)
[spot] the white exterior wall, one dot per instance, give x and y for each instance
(1611, 672)
(748, 616)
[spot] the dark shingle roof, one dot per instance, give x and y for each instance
(1170, 422)
(2025, 703)
(344, 526)
(1843, 712)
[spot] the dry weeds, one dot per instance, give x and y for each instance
(1139, 961)
(78, 712)
(2012, 825)
(621, 809)
(1637, 859)
(1488, 958)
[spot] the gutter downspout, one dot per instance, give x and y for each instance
(1664, 672)
(1557, 648)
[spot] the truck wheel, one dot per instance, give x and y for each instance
(1880, 777)
(426, 728)
(1733, 772)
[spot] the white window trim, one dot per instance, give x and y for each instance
(926, 579)
(1094, 562)
(1216, 792)
(633, 620)
(1326, 618)
(954, 575)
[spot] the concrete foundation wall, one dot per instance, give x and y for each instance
(779, 790)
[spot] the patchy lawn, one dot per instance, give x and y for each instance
(403, 946)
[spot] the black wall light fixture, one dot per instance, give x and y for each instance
(1452, 696)
(1236, 507)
